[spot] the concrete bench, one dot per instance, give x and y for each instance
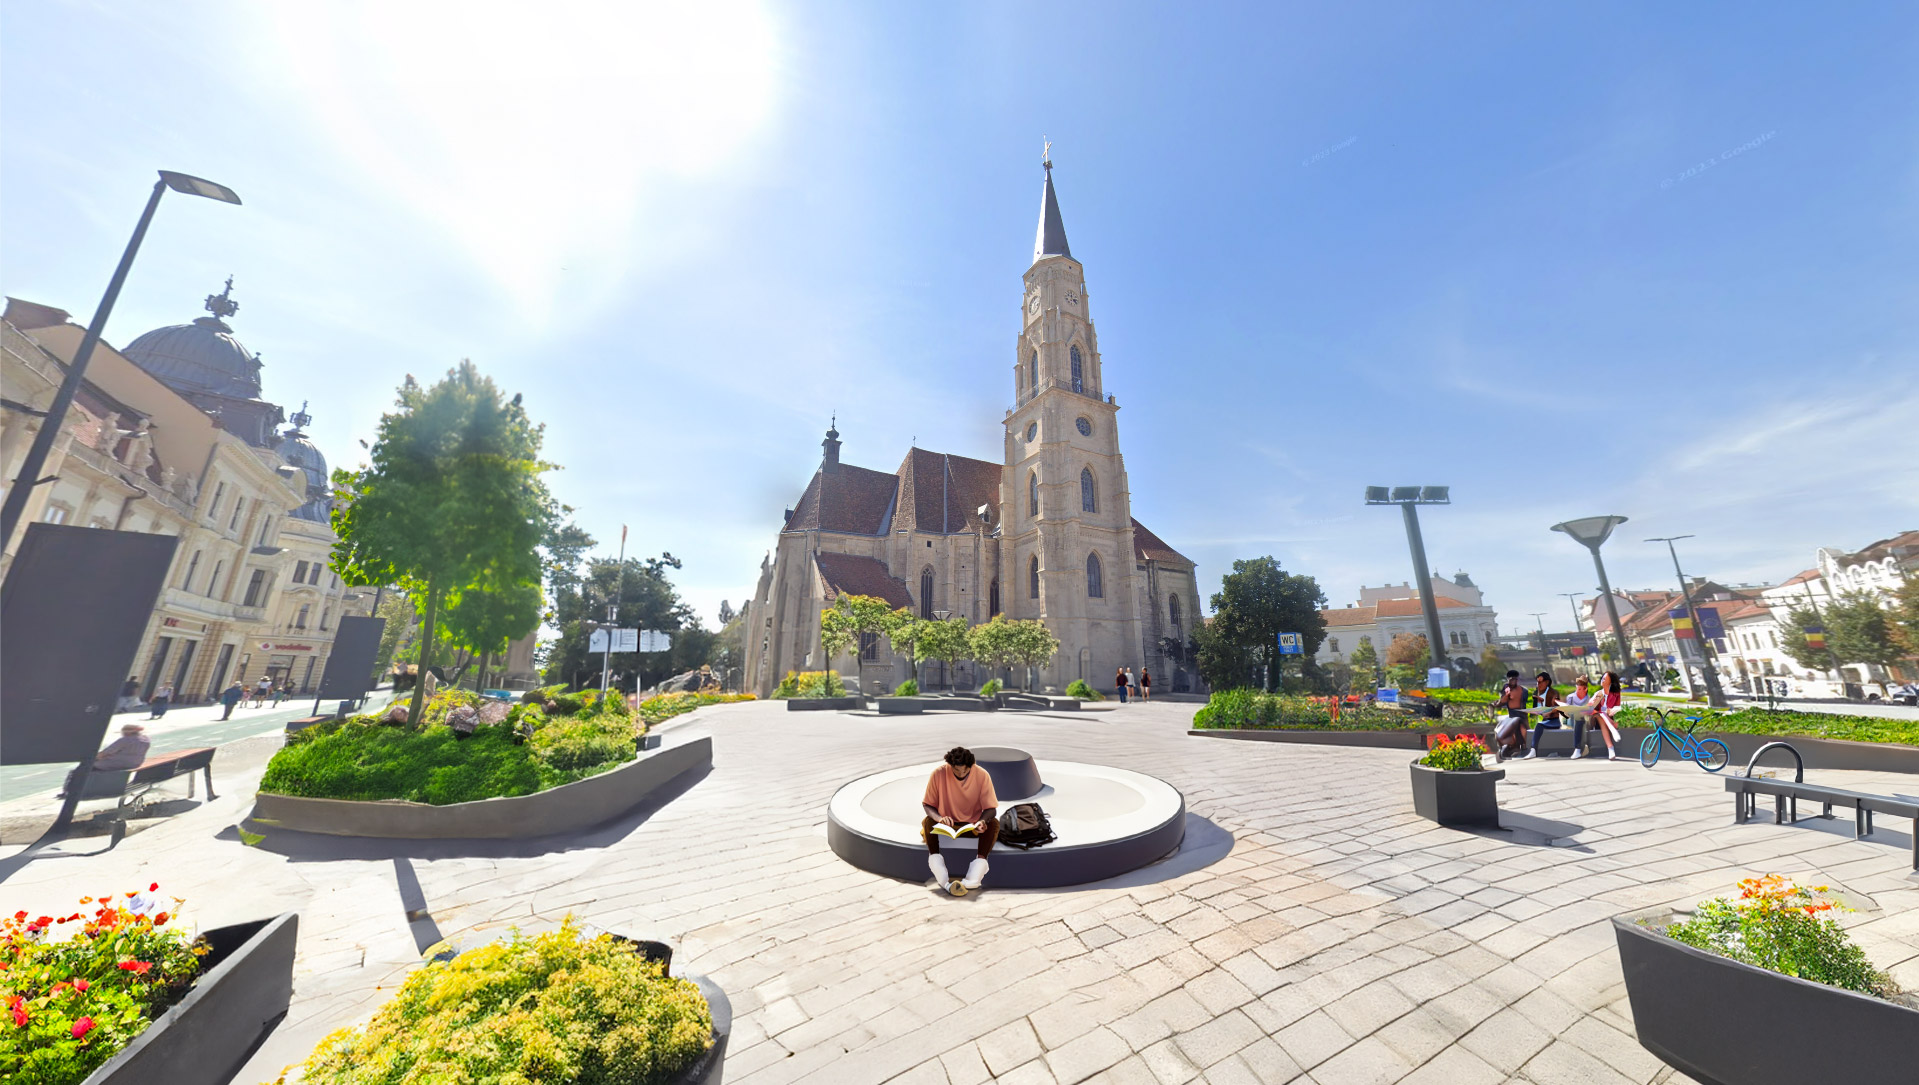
(1787, 793)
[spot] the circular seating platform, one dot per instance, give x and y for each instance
(1108, 821)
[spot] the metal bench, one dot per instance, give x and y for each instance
(129, 787)
(1787, 793)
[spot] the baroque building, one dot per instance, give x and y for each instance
(1047, 533)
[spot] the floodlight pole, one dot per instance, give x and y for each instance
(1715, 696)
(1422, 576)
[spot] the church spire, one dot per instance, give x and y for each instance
(1051, 239)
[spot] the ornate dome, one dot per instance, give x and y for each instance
(296, 449)
(202, 356)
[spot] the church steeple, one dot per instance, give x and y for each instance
(1051, 238)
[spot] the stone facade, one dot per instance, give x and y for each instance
(1045, 534)
(1381, 613)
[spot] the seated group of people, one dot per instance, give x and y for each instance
(1551, 710)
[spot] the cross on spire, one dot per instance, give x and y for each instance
(222, 305)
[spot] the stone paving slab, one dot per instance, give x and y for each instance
(1336, 938)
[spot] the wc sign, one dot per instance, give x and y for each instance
(1291, 644)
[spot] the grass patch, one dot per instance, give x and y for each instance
(665, 706)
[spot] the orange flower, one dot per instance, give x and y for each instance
(160, 920)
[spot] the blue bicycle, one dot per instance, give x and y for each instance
(1709, 753)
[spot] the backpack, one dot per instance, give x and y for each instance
(1025, 826)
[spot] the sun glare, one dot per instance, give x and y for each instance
(541, 137)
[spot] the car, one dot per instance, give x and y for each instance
(1907, 694)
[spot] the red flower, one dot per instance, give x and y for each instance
(138, 968)
(154, 888)
(81, 1027)
(81, 984)
(20, 915)
(44, 921)
(20, 1013)
(160, 920)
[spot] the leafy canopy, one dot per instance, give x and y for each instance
(1259, 600)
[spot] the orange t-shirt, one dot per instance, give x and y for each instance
(962, 800)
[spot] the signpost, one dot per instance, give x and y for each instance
(1291, 644)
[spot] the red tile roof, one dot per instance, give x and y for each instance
(1150, 547)
(940, 494)
(1409, 608)
(856, 502)
(1346, 616)
(851, 574)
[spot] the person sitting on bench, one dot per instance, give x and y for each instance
(129, 751)
(1509, 719)
(960, 793)
(1545, 696)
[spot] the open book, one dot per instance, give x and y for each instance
(954, 832)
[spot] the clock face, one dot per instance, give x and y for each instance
(1032, 430)
(1032, 304)
(1085, 427)
(1072, 297)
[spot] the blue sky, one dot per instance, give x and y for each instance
(1623, 259)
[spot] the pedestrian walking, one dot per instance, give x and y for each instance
(1132, 684)
(279, 693)
(129, 695)
(230, 697)
(260, 690)
(1119, 684)
(162, 697)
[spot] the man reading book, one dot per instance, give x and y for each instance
(960, 799)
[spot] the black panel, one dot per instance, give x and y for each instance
(74, 606)
(349, 668)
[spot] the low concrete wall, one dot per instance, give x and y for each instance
(567, 808)
(824, 704)
(902, 706)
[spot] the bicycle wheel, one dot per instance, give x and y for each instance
(1713, 754)
(1649, 750)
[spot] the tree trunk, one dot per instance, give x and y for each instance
(426, 653)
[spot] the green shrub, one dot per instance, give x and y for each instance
(1078, 688)
(553, 1008)
(991, 687)
(583, 745)
(789, 687)
(1778, 925)
(1455, 754)
(446, 700)
(810, 684)
(1758, 721)
(1249, 708)
(908, 688)
(664, 706)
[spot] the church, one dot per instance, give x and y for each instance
(1047, 533)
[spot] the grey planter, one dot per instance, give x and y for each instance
(901, 706)
(824, 704)
(1726, 1023)
(1457, 797)
(204, 1039)
(581, 804)
(709, 1069)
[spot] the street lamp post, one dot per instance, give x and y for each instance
(1539, 619)
(36, 459)
(1407, 498)
(1715, 696)
(1572, 600)
(1592, 533)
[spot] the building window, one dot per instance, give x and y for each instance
(300, 619)
(265, 526)
(926, 592)
(239, 506)
(193, 565)
(1079, 381)
(326, 613)
(1032, 573)
(213, 585)
(869, 647)
(255, 587)
(213, 506)
(1088, 493)
(300, 573)
(1172, 609)
(1032, 373)
(1332, 644)
(992, 599)
(314, 578)
(1094, 589)
(57, 514)
(1032, 494)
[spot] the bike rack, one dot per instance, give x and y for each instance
(1798, 777)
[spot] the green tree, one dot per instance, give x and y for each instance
(1258, 600)
(450, 508)
(991, 643)
(947, 642)
(1794, 642)
(1365, 661)
(645, 598)
(1492, 669)
(1033, 645)
(844, 624)
(401, 626)
(1860, 630)
(1224, 664)
(1905, 616)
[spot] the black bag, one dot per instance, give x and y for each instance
(1025, 826)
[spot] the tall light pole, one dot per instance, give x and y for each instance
(1592, 533)
(29, 476)
(1572, 600)
(1539, 619)
(1407, 498)
(1715, 696)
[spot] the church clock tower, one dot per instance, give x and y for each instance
(1066, 527)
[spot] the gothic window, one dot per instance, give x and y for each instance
(1172, 607)
(1079, 380)
(992, 599)
(869, 646)
(1094, 589)
(1032, 372)
(1032, 573)
(1032, 494)
(1088, 494)
(926, 592)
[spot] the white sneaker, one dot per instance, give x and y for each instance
(937, 863)
(1577, 754)
(1612, 755)
(975, 874)
(1530, 754)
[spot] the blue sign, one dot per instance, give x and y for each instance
(1291, 644)
(1387, 696)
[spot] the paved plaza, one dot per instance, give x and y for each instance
(1312, 929)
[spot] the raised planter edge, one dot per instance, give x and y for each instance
(1786, 1030)
(206, 1037)
(824, 704)
(570, 807)
(1456, 796)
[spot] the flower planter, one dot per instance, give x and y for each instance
(1457, 796)
(709, 1068)
(1727, 1023)
(241, 993)
(824, 704)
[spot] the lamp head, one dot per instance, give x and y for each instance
(198, 186)
(1592, 531)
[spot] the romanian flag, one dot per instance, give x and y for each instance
(1681, 625)
(1815, 636)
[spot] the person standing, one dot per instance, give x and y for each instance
(279, 693)
(230, 697)
(129, 695)
(161, 698)
(260, 690)
(1132, 684)
(1119, 684)
(1145, 685)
